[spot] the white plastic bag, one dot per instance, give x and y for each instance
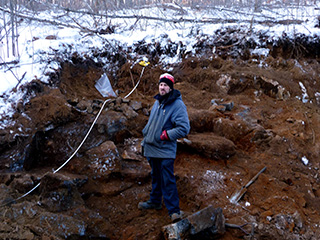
(104, 87)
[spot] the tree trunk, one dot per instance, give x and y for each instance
(12, 28)
(257, 5)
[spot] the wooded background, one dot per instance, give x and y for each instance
(103, 5)
(12, 12)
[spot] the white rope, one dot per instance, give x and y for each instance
(136, 84)
(85, 138)
(75, 152)
(27, 192)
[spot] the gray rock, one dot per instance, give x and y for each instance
(6, 195)
(208, 220)
(84, 105)
(62, 225)
(128, 111)
(228, 105)
(135, 105)
(100, 162)
(220, 102)
(112, 122)
(60, 192)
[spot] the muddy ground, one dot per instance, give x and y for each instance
(95, 195)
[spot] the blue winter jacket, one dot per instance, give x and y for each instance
(171, 115)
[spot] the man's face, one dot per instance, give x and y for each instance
(164, 88)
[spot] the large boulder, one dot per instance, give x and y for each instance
(59, 192)
(26, 220)
(210, 145)
(135, 166)
(229, 127)
(232, 129)
(99, 162)
(202, 120)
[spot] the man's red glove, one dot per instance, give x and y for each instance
(164, 136)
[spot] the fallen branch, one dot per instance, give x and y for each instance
(228, 46)
(173, 20)
(20, 80)
(10, 70)
(57, 23)
(7, 63)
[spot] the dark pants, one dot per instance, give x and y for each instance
(164, 184)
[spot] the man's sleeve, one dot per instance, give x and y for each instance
(180, 122)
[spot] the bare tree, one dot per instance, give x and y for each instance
(258, 5)
(14, 27)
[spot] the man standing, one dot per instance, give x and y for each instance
(168, 121)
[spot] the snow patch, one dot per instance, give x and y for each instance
(213, 180)
(261, 51)
(317, 95)
(305, 96)
(305, 160)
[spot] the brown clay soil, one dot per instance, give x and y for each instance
(268, 126)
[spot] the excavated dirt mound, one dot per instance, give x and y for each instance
(244, 117)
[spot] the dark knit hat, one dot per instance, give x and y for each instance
(168, 79)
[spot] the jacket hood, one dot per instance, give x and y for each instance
(168, 98)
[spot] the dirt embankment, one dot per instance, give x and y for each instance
(246, 113)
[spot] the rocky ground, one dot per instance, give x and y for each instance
(246, 113)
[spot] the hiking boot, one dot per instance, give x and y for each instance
(149, 205)
(176, 217)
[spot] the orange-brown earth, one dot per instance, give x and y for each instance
(95, 196)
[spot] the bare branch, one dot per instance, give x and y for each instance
(9, 69)
(7, 63)
(19, 81)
